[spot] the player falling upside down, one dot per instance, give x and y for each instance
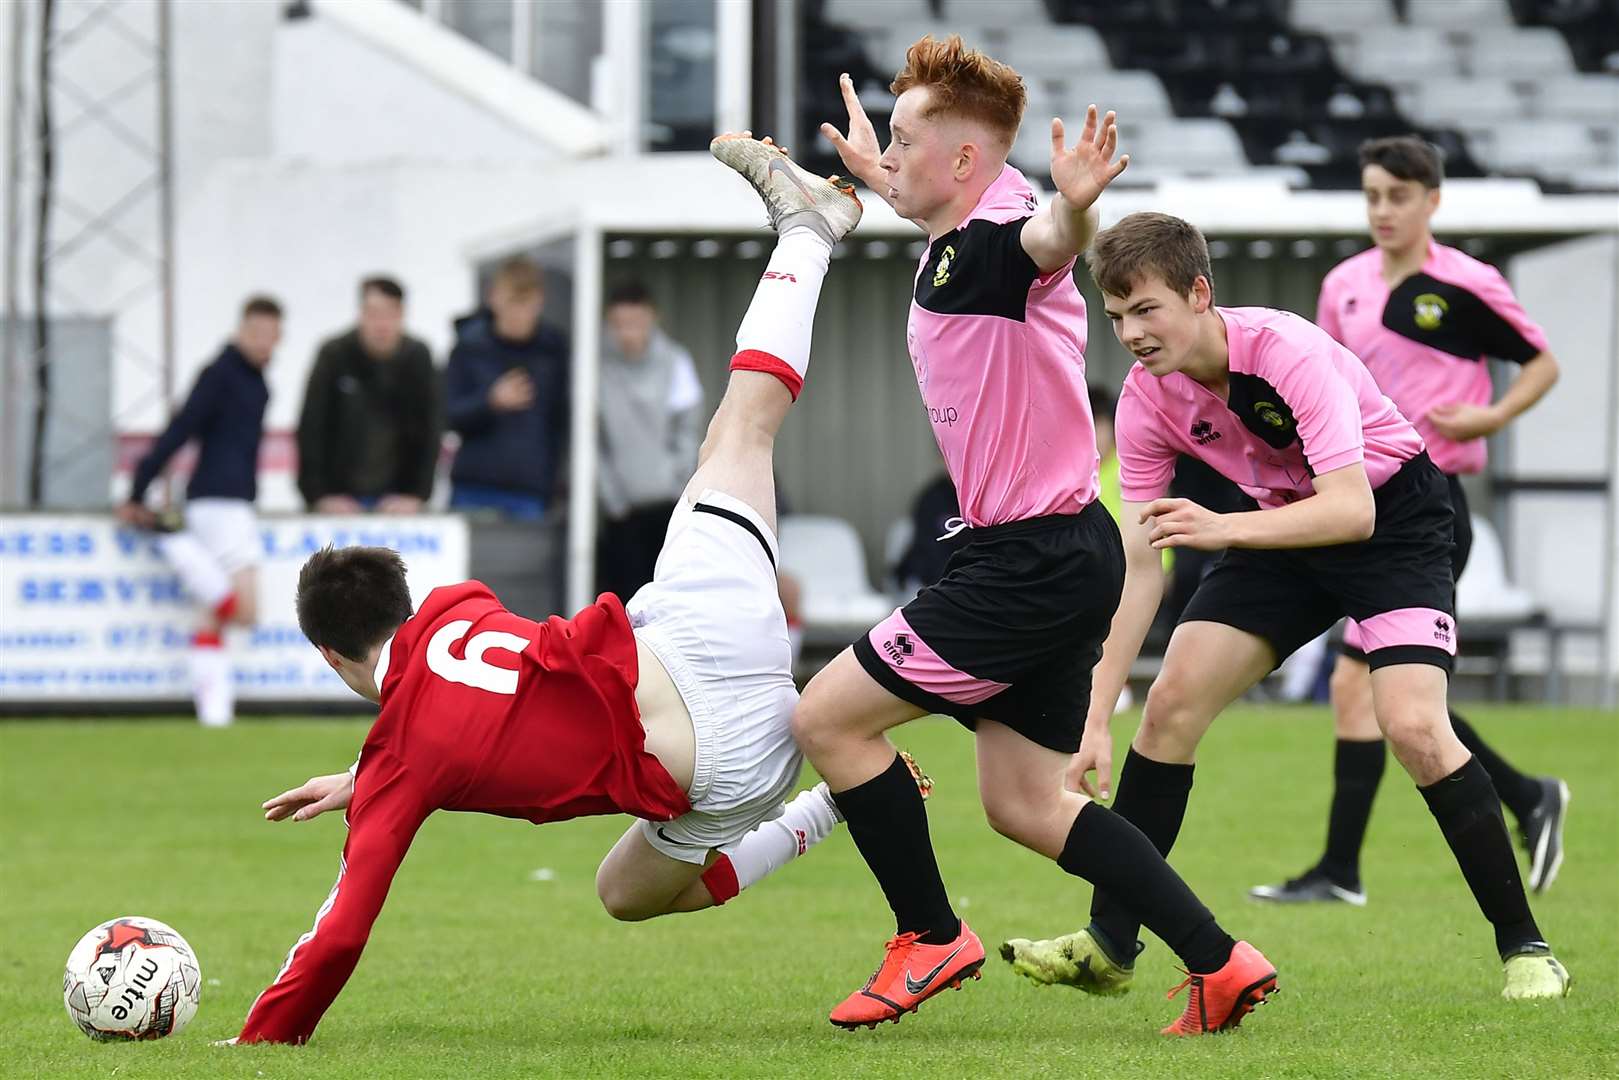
(1355, 521)
(673, 708)
(1423, 317)
(1006, 640)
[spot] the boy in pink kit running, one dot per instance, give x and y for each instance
(1355, 521)
(1424, 317)
(1006, 640)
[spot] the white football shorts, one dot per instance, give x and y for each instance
(713, 616)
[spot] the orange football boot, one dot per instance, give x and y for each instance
(1219, 1001)
(910, 973)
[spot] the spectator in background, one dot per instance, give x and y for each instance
(651, 425)
(368, 438)
(218, 547)
(507, 394)
(934, 513)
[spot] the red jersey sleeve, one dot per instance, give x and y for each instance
(383, 817)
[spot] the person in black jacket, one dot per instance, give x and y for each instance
(507, 395)
(368, 438)
(216, 551)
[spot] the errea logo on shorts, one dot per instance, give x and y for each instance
(898, 648)
(1441, 629)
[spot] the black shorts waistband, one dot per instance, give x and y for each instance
(1410, 472)
(1030, 525)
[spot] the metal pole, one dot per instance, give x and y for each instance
(9, 405)
(46, 178)
(786, 119)
(523, 36)
(587, 292)
(733, 65)
(165, 212)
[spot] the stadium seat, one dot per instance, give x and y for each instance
(1134, 95)
(1190, 146)
(1398, 55)
(1458, 14)
(1055, 52)
(824, 553)
(1463, 103)
(1578, 97)
(890, 43)
(1519, 54)
(868, 13)
(1552, 148)
(997, 12)
(1333, 16)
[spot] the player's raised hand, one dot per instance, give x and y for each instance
(312, 798)
(858, 149)
(1183, 523)
(1083, 170)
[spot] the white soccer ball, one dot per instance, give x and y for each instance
(132, 978)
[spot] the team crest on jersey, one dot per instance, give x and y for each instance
(1430, 310)
(1267, 411)
(941, 272)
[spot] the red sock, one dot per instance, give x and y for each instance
(225, 608)
(755, 360)
(207, 639)
(720, 880)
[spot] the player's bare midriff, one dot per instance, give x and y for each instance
(669, 736)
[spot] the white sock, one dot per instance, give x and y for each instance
(775, 333)
(212, 685)
(804, 822)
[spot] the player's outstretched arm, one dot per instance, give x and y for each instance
(312, 798)
(1342, 511)
(382, 825)
(1081, 172)
(1143, 590)
(861, 154)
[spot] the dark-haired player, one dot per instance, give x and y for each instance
(674, 708)
(1424, 318)
(1006, 640)
(1355, 521)
(216, 553)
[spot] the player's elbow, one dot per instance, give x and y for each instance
(1360, 517)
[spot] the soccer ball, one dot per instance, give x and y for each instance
(132, 978)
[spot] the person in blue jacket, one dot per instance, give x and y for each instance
(507, 396)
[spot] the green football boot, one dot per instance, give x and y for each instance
(1535, 975)
(1076, 959)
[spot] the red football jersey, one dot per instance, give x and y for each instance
(481, 710)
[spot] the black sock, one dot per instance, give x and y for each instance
(889, 825)
(1151, 795)
(1110, 853)
(1518, 792)
(1357, 770)
(1469, 814)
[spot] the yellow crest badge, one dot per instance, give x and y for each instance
(1431, 308)
(941, 273)
(1268, 412)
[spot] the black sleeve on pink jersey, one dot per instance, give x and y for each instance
(980, 269)
(1455, 320)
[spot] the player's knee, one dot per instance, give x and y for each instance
(1411, 727)
(814, 722)
(620, 899)
(1170, 712)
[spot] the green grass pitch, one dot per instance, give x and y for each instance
(493, 957)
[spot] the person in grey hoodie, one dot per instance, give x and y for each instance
(651, 426)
